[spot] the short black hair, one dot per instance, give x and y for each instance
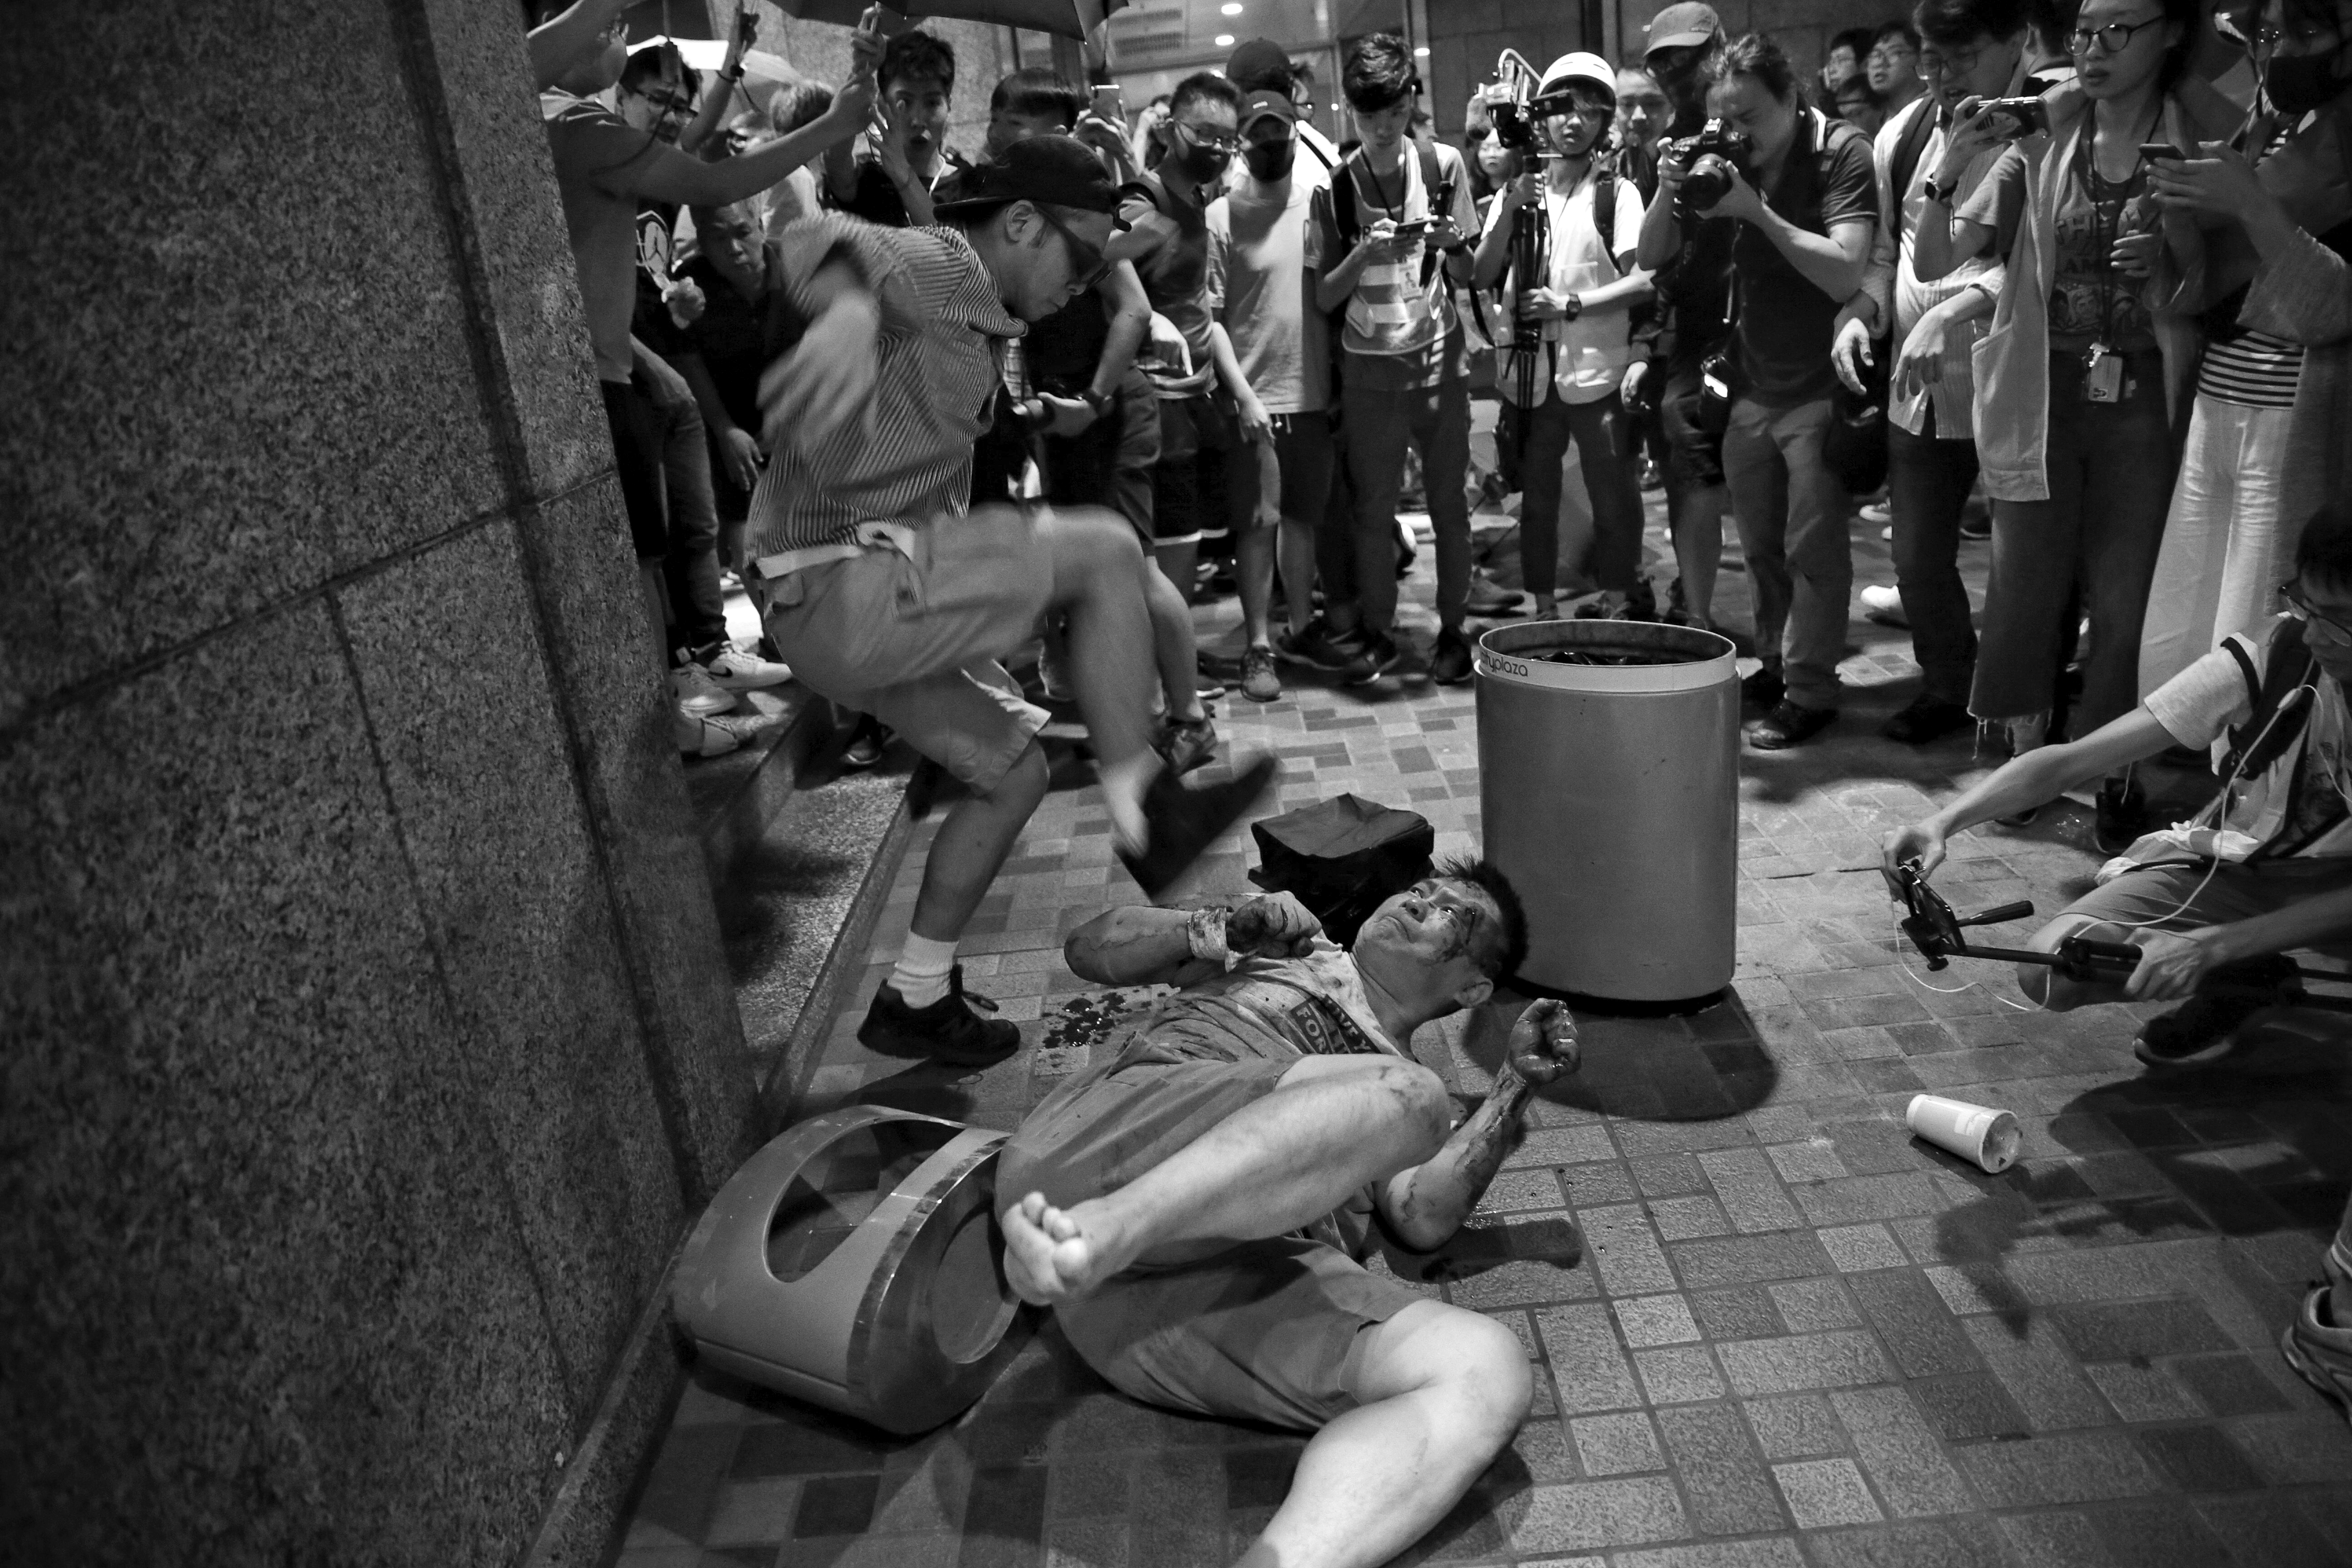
(917, 54)
(2324, 553)
(661, 61)
(1038, 89)
(1379, 74)
(1488, 879)
(1953, 23)
(1896, 30)
(1203, 87)
(1858, 39)
(803, 103)
(1751, 55)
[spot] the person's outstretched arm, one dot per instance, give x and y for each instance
(555, 44)
(1142, 944)
(1426, 1204)
(673, 176)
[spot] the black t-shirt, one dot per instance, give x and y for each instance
(1785, 322)
(649, 320)
(729, 336)
(877, 200)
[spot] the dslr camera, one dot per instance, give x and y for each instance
(1711, 156)
(1509, 110)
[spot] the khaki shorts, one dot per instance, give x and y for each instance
(2153, 895)
(1258, 1330)
(916, 642)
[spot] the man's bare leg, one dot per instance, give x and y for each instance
(1440, 1391)
(978, 832)
(1254, 568)
(1694, 517)
(1099, 575)
(1331, 1125)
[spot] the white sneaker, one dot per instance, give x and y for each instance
(698, 737)
(1884, 604)
(697, 692)
(737, 668)
(1877, 511)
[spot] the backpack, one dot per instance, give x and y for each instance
(1342, 858)
(1910, 148)
(2289, 666)
(1350, 225)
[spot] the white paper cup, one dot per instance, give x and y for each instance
(1984, 1137)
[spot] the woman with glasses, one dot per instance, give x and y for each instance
(2093, 346)
(2266, 437)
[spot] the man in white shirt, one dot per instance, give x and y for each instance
(2215, 902)
(1582, 299)
(1974, 49)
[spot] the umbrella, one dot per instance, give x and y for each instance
(1071, 18)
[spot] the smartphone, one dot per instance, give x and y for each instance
(1110, 103)
(747, 26)
(1412, 230)
(2025, 115)
(2152, 151)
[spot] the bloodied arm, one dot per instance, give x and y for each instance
(1426, 1204)
(1146, 945)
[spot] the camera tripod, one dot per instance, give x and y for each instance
(1530, 263)
(1935, 930)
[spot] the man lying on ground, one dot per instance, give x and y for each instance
(2213, 903)
(1194, 1209)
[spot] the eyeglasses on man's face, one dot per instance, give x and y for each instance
(1209, 137)
(1938, 62)
(1088, 265)
(2310, 614)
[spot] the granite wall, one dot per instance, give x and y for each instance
(368, 1043)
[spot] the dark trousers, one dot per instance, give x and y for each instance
(1928, 484)
(1381, 422)
(1109, 462)
(1604, 450)
(2110, 477)
(690, 565)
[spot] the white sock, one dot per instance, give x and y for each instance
(921, 975)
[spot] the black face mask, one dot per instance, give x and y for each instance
(1271, 160)
(2297, 84)
(1204, 164)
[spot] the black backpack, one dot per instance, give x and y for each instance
(1343, 857)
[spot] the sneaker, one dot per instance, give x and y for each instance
(1261, 682)
(1789, 724)
(1877, 513)
(2319, 1350)
(2197, 1033)
(1927, 719)
(738, 668)
(1488, 597)
(2119, 816)
(948, 1030)
(1317, 645)
(700, 737)
(1189, 745)
(866, 742)
(698, 691)
(1376, 657)
(1450, 662)
(1762, 689)
(1640, 603)
(1977, 525)
(1183, 821)
(1883, 606)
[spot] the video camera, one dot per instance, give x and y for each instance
(1509, 101)
(1934, 931)
(1710, 157)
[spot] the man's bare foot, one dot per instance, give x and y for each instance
(1060, 1255)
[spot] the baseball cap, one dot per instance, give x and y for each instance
(1262, 102)
(1061, 170)
(1579, 67)
(1680, 26)
(1259, 63)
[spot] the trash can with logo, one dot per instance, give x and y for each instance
(1608, 793)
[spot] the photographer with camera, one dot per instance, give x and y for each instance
(1976, 51)
(2093, 345)
(1803, 192)
(1566, 235)
(2213, 903)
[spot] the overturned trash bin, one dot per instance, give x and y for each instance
(1609, 791)
(854, 1263)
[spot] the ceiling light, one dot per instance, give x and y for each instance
(1421, 53)
(1224, 40)
(1231, 8)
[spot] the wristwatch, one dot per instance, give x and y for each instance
(1095, 401)
(1935, 191)
(1572, 307)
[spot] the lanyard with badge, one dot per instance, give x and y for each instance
(2103, 367)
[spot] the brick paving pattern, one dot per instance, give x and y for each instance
(1768, 1326)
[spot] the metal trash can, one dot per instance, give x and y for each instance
(854, 1263)
(1609, 789)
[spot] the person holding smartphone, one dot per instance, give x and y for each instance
(2267, 432)
(2093, 345)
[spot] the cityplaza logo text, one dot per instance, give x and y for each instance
(1507, 666)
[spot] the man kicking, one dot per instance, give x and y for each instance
(886, 597)
(1194, 1209)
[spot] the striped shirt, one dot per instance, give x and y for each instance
(1392, 312)
(942, 331)
(2252, 370)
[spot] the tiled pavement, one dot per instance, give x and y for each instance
(1788, 1333)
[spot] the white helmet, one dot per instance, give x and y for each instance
(1579, 67)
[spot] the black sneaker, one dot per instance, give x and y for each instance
(1927, 719)
(2197, 1033)
(1183, 822)
(1317, 645)
(1789, 724)
(2119, 816)
(1376, 657)
(947, 1031)
(1763, 690)
(1449, 664)
(1640, 603)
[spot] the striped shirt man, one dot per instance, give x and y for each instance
(1394, 318)
(943, 334)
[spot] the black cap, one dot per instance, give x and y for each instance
(1262, 102)
(1259, 63)
(1060, 170)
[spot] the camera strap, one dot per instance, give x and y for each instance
(1910, 148)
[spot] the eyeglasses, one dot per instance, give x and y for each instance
(2113, 38)
(1890, 54)
(1089, 264)
(1214, 141)
(1950, 62)
(2302, 610)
